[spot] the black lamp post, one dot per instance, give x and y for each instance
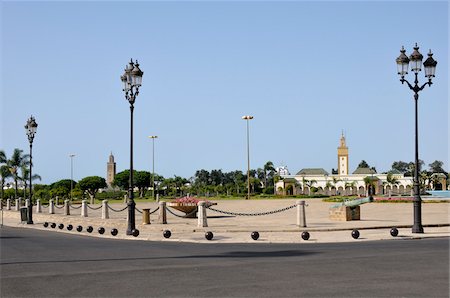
(415, 60)
(31, 127)
(132, 80)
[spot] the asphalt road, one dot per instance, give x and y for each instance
(36, 263)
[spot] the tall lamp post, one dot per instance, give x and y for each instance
(415, 61)
(71, 174)
(31, 127)
(132, 80)
(248, 155)
(153, 165)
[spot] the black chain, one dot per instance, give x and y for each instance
(75, 207)
(136, 208)
(94, 208)
(154, 210)
(182, 216)
(252, 214)
(117, 210)
(62, 206)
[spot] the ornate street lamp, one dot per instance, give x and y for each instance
(415, 61)
(132, 80)
(153, 165)
(31, 127)
(248, 155)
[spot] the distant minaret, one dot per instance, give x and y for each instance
(343, 157)
(110, 170)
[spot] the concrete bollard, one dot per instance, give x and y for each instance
(38, 206)
(146, 216)
(201, 214)
(27, 203)
(66, 207)
(51, 207)
(162, 216)
(84, 212)
(301, 214)
(157, 198)
(18, 204)
(105, 214)
(8, 204)
(57, 200)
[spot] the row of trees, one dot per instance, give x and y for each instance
(204, 182)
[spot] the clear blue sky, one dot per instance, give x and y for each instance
(304, 70)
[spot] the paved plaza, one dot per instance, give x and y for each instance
(376, 221)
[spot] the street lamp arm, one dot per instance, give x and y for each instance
(403, 80)
(427, 83)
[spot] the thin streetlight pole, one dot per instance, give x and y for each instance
(153, 165)
(248, 154)
(71, 174)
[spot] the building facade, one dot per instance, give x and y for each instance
(361, 182)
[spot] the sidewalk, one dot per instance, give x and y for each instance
(376, 221)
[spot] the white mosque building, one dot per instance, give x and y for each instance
(360, 182)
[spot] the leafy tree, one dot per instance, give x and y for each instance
(436, 167)
(363, 164)
(401, 166)
(122, 179)
(142, 181)
(64, 183)
(91, 185)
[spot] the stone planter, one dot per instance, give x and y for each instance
(189, 208)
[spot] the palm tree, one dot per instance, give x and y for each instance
(17, 160)
(4, 174)
(391, 180)
(2, 157)
(268, 170)
(25, 178)
(310, 183)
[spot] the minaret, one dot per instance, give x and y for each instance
(110, 170)
(343, 157)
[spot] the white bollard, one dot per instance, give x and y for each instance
(38, 206)
(105, 214)
(18, 204)
(66, 207)
(8, 204)
(301, 214)
(201, 214)
(162, 216)
(51, 207)
(84, 212)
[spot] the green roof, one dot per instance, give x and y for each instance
(312, 172)
(364, 171)
(292, 180)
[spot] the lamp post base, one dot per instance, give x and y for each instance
(131, 217)
(417, 228)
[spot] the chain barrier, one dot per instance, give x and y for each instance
(182, 216)
(45, 206)
(62, 206)
(252, 214)
(136, 208)
(154, 210)
(94, 208)
(115, 210)
(75, 207)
